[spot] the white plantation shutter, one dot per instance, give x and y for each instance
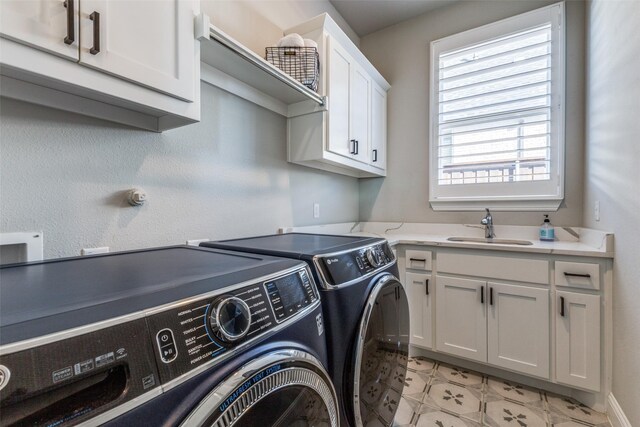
(497, 119)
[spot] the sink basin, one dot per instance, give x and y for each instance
(485, 240)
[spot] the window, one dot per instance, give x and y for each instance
(497, 115)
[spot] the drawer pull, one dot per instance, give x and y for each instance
(481, 294)
(418, 259)
(490, 296)
(71, 26)
(375, 155)
(562, 306)
(95, 17)
(426, 286)
(577, 274)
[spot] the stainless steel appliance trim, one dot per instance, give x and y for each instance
(325, 283)
(364, 322)
(316, 382)
(81, 330)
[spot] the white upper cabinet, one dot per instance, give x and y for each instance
(378, 127)
(350, 138)
(150, 43)
(133, 62)
(50, 25)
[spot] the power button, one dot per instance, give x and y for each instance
(166, 345)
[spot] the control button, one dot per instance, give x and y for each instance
(5, 374)
(359, 262)
(230, 319)
(166, 345)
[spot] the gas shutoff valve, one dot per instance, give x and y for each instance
(136, 197)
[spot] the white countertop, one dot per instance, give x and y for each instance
(574, 241)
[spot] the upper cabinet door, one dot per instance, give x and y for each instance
(50, 25)
(359, 113)
(378, 154)
(339, 77)
(150, 43)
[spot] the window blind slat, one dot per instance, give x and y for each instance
(498, 92)
(495, 154)
(526, 51)
(494, 108)
(448, 132)
(488, 142)
(544, 70)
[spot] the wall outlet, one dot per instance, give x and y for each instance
(316, 210)
(94, 251)
(596, 210)
(196, 242)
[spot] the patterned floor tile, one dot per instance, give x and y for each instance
(459, 375)
(513, 391)
(388, 405)
(504, 413)
(415, 382)
(407, 411)
(461, 401)
(420, 364)
(563, 408)
(435, 418)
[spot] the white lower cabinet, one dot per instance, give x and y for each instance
(518, 328)
(461, 317)
(419, 291)
(502, 324)
(578, 340)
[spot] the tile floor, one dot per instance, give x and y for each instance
(441, 395)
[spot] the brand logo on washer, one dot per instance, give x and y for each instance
(5, 374)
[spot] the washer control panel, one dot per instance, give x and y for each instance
(345, 267)
(207, 328)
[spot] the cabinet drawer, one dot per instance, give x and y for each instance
(520, 269)
(418, 260)
(577, 275)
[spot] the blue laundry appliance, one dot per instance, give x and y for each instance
(366, 315)
(176, 336)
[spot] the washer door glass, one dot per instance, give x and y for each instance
(291, 389)
(381, 354)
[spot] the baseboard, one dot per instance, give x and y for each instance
(616, 416)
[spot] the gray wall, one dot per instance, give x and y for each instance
(613, 176)
(223, 177)
(401, 54)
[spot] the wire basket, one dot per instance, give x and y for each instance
(301, 63)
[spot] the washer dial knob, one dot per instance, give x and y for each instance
(373, 258)
(230, 319)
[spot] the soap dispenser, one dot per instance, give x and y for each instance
(547, 233)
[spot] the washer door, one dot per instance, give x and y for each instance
(284, 388)
(381, 355)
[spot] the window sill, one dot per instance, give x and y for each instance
(497, 205)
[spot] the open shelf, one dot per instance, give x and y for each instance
(227, 55)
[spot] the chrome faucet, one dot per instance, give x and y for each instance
(487, 221)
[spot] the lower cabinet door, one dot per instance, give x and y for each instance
(578, 340)
(420, 294)
(518, 328)
(461, 322)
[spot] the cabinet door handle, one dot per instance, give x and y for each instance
(490, 296)
(481, 294)
(375, 155)
(577, 274)
(418, 259)
(562, 306)
(353, 141)
(357, 147)
(95, 17)
(426, 286)
(71, 22)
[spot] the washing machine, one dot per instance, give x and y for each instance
(366, 315)
(177, 336)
